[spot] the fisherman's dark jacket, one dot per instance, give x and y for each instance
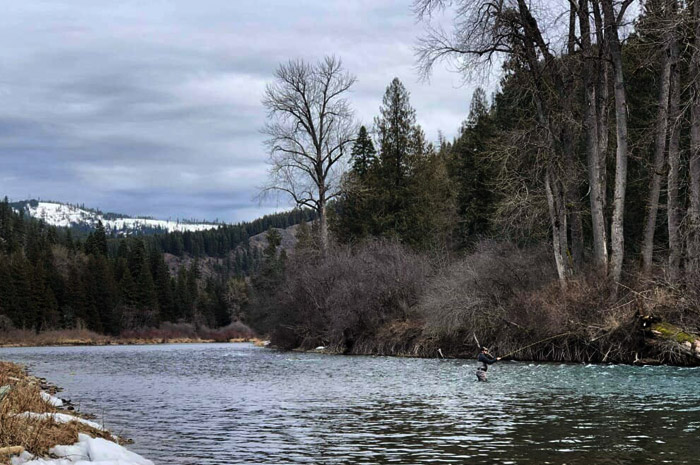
(485, 361)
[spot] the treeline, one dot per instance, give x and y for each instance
(220, 241)
(51, 280)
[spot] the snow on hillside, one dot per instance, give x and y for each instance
(57, 214)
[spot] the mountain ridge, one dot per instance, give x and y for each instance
(63, 214)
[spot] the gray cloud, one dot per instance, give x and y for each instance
(153, 108)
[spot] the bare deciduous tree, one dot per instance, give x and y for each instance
(595, 125)
(611, 24)
(694, 190)
(665, 17)
(675, 246)
(310, 126)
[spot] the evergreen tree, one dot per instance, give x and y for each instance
(163, 287)
(400, 138)
(363, 153)
(100, 239)
(472, 171)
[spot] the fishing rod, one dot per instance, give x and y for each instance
(534, 343)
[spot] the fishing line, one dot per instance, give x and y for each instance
(535, 343)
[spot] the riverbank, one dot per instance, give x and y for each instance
(640, 340)
(39, 428)
(76, 337)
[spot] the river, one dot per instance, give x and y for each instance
(236, 403)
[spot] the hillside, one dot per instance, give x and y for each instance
(86, 219)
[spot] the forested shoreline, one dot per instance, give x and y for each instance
(177, 285)
(562, 219)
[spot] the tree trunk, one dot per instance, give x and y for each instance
(593, 152)
(659, 160)
(674, 160)
(573, 183)
(322, 225)
(693, 262)
(558, 229)
(617, 226)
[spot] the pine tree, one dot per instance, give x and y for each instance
(472, 171)
(137, 258)
(100, 239)
(398, 133)
(364, 156)
(163, 287)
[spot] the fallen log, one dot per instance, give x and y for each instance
(684, 342)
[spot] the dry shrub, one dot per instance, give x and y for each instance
(186, 331)
(476, 294)
(236, 330)
(165, 331)
(402, 338)
(346, 294)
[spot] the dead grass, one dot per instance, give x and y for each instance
(22, 337)
(36, 436)
(167, 333)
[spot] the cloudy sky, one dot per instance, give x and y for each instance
(153, 108)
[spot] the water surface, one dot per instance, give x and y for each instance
(236, 404)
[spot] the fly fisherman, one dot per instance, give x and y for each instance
(485, 359)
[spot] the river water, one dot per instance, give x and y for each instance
(235, 404)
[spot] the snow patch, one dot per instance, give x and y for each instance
(51, 400)
(60, 418)
(58, 214)
(86, 450)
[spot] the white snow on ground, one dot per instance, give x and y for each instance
(87, 450)
(60, 418)
(58, 214)
(51, 400)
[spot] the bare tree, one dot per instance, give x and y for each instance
(663, 10)
(310, 124)
(693, 264)
(595, 125)
(675, 245)
(611, 24)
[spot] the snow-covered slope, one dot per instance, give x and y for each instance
(58, 214)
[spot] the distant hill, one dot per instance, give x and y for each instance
(85, 219)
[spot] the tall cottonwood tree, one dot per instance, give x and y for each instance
(611, 23)
(310, 126)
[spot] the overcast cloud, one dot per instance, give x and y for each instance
(153, 108)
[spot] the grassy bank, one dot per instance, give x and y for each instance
(167, 333)
(38, 433)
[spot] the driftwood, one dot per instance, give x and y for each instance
(11, 450)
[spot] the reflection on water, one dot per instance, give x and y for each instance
(234, 403)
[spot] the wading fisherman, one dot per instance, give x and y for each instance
(485, 359)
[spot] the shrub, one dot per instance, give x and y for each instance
(477, 293)
(347, 293)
